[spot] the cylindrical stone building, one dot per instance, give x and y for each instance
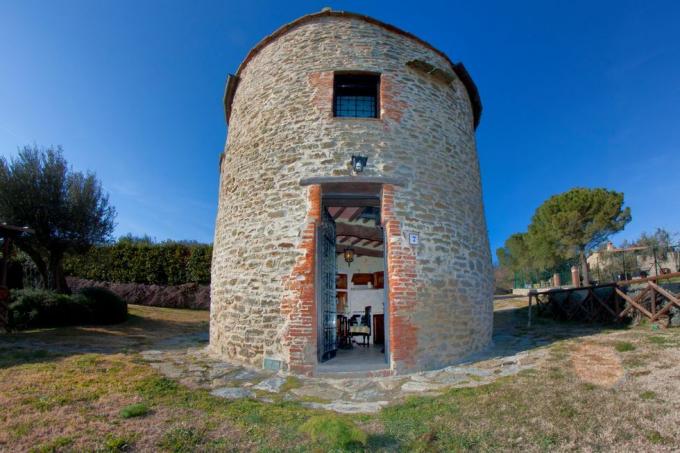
(350, 234)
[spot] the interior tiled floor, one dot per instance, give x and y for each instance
(359, 358)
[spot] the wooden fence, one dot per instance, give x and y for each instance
(614, 302)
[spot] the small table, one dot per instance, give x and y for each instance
(362, 331)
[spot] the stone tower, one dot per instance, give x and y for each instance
(307, 98)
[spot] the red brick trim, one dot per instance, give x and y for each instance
(392, 108)
(401, 293)
(322, 83)
(299, 309)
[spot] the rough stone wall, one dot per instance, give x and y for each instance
(282, 130)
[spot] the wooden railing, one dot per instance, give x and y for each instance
(612, 302)
(650, 279)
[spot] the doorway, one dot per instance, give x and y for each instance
(352, 311)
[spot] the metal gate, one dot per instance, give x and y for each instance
(326, 297)
(386, 302)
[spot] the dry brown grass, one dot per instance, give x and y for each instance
(585, 396)
(74, 397)
(597, 364)
(62, 400)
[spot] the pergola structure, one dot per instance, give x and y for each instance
(7, 233)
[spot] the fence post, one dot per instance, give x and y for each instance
(575, 277)
(623, 255)
(556, 280)
(529, 313)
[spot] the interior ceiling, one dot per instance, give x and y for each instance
(356, 227)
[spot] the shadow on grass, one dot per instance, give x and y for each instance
(167, 330)
(13, 357)
(512, 335)
(383, 442)
(138, 332)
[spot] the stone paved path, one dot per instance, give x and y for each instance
(194, 367)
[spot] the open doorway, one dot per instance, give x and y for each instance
(351, 288)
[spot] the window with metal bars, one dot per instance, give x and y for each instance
(356, 95)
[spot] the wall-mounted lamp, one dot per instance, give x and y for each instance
(349, 255)
(359, 163)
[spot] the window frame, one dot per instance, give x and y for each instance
(372, 84)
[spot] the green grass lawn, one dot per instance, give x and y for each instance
(56, 401)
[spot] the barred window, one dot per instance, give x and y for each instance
(356, 95)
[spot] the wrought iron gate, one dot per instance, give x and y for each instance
(327, 304)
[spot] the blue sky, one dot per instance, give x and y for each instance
(575, 93)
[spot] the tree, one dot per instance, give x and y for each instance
(661, 239)
(577, 221)
(131, 239)
(503, 279)
(68, 210)
(658, 245)
(515, 254)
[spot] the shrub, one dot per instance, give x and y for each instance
(198, 265)
(167, 263)
(134, 410)
(39, 308)
(333, 432)
(107, 307)
(33, 308)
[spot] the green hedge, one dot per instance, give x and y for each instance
(32, 308)
(168, 263)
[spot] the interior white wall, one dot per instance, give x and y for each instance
(360, 296)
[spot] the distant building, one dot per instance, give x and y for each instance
(634, 261)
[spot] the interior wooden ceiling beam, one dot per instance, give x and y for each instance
(359, 231)
(356, 214)
(360, 251)
(356, 240)
(339, 212)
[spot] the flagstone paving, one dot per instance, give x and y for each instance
(513, 351)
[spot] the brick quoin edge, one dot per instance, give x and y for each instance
(279, 106)
(300, 309)
(401, 296)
